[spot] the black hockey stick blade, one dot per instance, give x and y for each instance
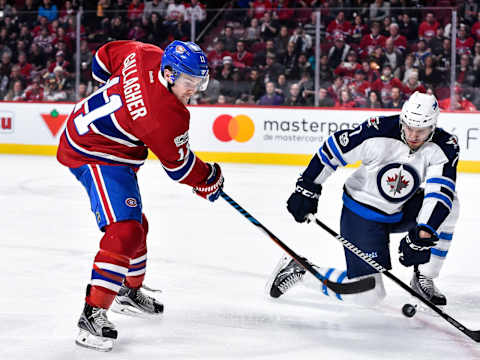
(472, 334)
(353, 287)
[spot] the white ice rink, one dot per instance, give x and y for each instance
(212, 264)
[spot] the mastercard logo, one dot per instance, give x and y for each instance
(239, 128)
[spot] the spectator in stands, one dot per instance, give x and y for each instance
(393, 55)
(339, 26)
(261, 55)
(429, 75)
(62, 80)
(408, 29)
(119, 8)
(60, 61)
(379, 10)
(371, 71)
(258, 8)
(444, 57)
(326, 73)
(476, 28)
(66, 11)
(370, 41)
(359, 29)
(175, 9)
(195, 10)
(435, 44)
(428, 27)
(289, 61)
(324, 100)
(476, 56)
(271, 69)
(384, 85)
(281, 41)
(282, 87)
(421, 53)
(374, 101)
(34, 92)
(270, 97)
(25, 67)
(37, 56)
(156, 32)
(303, 41)
(335, 88)
(295, 96)
(5, 70)
(229, 39)
(464, 42)
(222, 99)
(155, 6)
(282, 12)
(345, 100)
(338, 52)
(396, 102)
(459, 103)
(252, 33)
(15, 93)
(303, 65)
(28, 13)
(16, 75)
(48, 10)
(225, 72)
(235, 88)
(359, 88)
(137, 33)
(215, 57)
(51, 91)
(82, 91)
(399, 41)
(242, 58)
(470, 10)
(413, 84)
(347, 68)
(44, 40)
(378, 58)
(257, 86)
(465, 75)
(25, 35)
(268, 26)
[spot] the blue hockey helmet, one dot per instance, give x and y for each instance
(186, 58)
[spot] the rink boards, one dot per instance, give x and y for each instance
(261, 135)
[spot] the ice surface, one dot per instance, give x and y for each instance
(212, 264)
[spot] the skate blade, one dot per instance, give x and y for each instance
(132, 311)
(268, 286)
(90, 341)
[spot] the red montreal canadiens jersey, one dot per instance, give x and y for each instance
(132, 112)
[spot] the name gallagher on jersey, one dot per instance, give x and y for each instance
(131, 88)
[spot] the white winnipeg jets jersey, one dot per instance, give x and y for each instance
(390, 173)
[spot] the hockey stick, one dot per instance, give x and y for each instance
(472, 334)
(339, 288)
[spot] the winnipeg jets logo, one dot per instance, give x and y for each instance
(373, 121)
(453, 140)
(396, 182)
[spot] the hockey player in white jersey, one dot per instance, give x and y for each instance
(399, 153)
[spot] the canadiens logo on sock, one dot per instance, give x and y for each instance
(131, 202)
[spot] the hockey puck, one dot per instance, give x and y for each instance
(409, 310)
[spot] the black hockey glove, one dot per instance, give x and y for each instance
(415, 250)
(304, 200)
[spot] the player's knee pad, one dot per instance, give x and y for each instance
(124, 238)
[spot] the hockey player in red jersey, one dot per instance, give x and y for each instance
(141, 106)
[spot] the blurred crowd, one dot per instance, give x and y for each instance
(373, 54)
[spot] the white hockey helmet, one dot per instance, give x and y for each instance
(420, 110)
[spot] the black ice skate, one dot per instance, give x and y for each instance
(424, 286)
(134, 302)
(287, 274)
(96, 331)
